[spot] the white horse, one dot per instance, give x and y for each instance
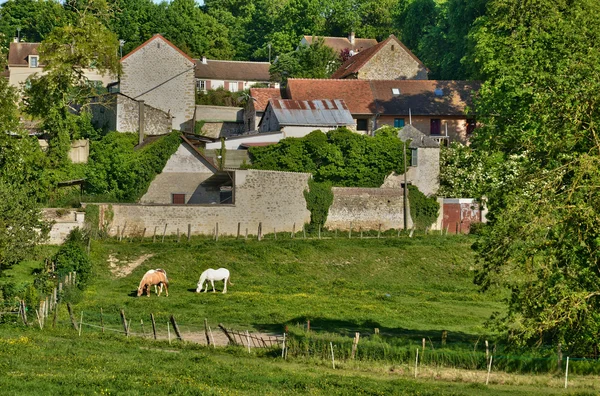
(212, 276)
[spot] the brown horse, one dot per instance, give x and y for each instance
(153, 277)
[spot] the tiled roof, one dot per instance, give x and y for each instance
(356, 93)
(18, 53)
(356, 62)
(323, 112)
(155, 37)
(342, 43)
(233, 70)
(389, 97)
(423, 97)
(261, 97)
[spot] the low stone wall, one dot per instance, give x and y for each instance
(65, 221)
(367, 208)
(274, 199)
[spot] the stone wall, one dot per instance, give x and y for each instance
(164, 78)
(367, 208)
(219, 113)
(64, 222)
(392, 62)
(274, 198)
(222, 129)
(425, 176)
(117, 112)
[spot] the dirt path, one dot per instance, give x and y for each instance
(122, 269)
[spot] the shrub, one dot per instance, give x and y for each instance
(72, 257)
(423, 210)
(319, 198)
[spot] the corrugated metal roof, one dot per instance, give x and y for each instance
(321, 112)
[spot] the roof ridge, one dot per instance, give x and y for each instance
(155, 36)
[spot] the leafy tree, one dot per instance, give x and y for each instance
(539, 103)
(31, 20)
(309, 61)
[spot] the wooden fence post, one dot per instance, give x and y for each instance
(55, 316)
(259, 231)
(154, 235)
(178, 235)
(355, 344)
(143, 234)
(238, 231)
(23, 312)
(153, 325)
(350, 231)
(164, 232)
(231, 340)
(176, 328)
(73, 322)
(379, 232)
(294, 231)
(217, 231)
(246, 237)
(124, 320)
(206, 331)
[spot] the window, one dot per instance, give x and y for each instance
(178, 199)
(226, 195)
(362, 125)
(414, 158)
(201, 85)
(395, 91)
(434, 126)
(398, 122)
(33, 61)
(233, 86)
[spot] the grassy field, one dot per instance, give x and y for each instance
(60, 362)
(407, 288)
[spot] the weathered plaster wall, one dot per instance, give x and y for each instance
(274, 198)
(392, 62)
(425, 176)
(64, 222)
(164, 78)
(222, 129)
(367, 208)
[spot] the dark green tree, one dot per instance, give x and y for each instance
(308, 61)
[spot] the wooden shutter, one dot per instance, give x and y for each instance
(207, 85)
(226, 85)
(240, 86)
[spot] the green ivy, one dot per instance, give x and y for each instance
(319, 198)
(423, 210)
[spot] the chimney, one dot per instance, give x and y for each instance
(204, 62)
(351, 38)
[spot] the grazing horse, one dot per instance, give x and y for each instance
(153, 277)
(212, 276)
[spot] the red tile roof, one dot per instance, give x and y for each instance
(356, 62)
(155, 37)
(262, 96)
(377, 96)
(342, 43)
(232, 70)
(18, 53)
(356, 93)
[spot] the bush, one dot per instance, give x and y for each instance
(72, 257)
(319, 198)
(423, 210)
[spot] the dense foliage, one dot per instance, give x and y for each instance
(341, 157)
(318, 200)
(308, 61)
(221, 97)
(117, 171)
(72, 256)
(539, 104)
(423, 210)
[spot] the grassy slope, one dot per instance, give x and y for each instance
(417, 286)
(58, 362)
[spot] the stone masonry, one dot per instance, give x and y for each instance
(392, 62)
(163, 76)
(272, 198)
(367, 208)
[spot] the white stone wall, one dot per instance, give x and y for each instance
(367, 208)
(425, 176)
(164, 78)
(64, 222)
(274, 198)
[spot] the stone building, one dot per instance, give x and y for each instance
(233, 76)
(339, 44)
(257, 104)
(424, 169)
(161, 75)
(388, 60)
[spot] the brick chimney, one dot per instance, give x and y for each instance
(351, 38)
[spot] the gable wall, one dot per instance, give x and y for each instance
(163, 78)
(388, 64)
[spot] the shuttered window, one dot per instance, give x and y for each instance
(178, 199)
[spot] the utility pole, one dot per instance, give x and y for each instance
(404, 198)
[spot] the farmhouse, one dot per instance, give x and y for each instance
(233, 76)
(388, 60)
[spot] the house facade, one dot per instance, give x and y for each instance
(24, 61)
(162, 76)
(233, 76)
(388, 60)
